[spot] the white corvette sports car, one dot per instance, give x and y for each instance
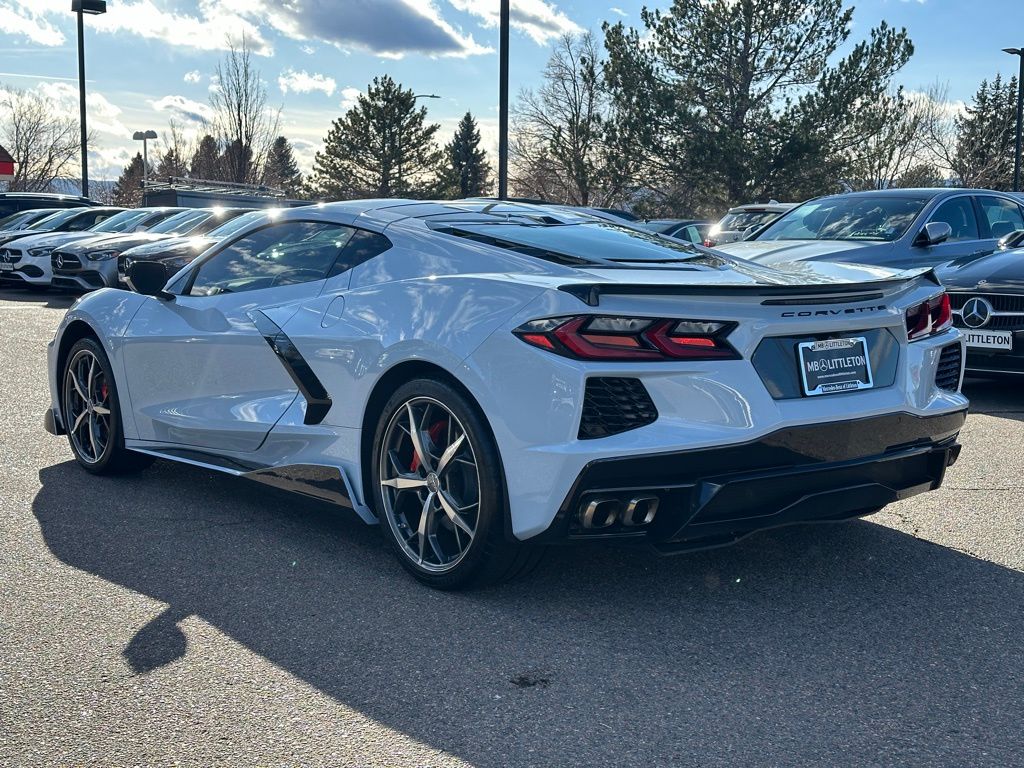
(486, 378)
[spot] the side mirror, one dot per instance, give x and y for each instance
(149, 279)
(934, 232)
(1013, 240)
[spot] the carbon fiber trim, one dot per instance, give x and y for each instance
(318, 401)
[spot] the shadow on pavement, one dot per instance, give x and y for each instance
(1003, 397)
(51, 299)
(851, 644)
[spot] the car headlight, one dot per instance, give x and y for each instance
(102, 255)
(40, 251)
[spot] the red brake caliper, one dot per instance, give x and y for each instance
(435, 432)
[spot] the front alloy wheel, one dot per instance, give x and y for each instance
(91, 414)
(87, 407)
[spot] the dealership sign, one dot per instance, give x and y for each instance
(6, 165)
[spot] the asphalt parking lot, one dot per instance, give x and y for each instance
(182, 617)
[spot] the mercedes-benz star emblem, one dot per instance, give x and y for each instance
(60, 262)
(976, 313)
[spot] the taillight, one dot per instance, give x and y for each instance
(929, 317)
(599, 337)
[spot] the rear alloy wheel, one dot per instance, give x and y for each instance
(441, 492)
(91, 413)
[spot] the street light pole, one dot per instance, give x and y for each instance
(1019, 53)
(415, 98)
(93, 8)
(503, 103)
(144, 136)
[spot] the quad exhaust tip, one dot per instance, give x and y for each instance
(601, 513)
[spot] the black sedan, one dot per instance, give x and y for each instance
(987, 297)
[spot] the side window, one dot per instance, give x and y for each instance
(362, 247)
(1003, 216)
(959, 214)
(282, 254)
(87, 220)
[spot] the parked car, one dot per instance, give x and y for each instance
(14, 202)
(178, 252)
(744, 219)
(67, 220)
(690, 230)
(27, 260)
(987, 297)
(16, 222)
(91, 263)
(485, 379)
(898, 228)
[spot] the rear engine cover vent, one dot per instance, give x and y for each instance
(612, 405)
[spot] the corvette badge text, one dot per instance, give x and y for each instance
(833, 312)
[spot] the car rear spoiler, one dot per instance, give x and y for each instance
(591, 293)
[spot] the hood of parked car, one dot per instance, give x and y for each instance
(170, 248)
(48, 239)
(112, 242)
(999, 271)
(779, 251)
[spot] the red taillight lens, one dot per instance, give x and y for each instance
(929, 317)
(597, 337)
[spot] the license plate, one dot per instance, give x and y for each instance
(988, 339)
(835, 365)
(5, 267)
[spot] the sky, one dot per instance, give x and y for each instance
(149, 61)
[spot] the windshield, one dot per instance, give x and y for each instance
(54, 220)
(238, 224)
(23, 219)
(121, 222)
(743, 220)
(219, 219)
(181, 223)
(881, 218)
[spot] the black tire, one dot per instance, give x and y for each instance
(110, 457)
(491, 556)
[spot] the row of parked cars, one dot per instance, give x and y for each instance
(85, 248)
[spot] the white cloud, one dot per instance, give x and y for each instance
(26, 20)
(305, 82)
(619, 11)
(183, 109)
(215, 29)
(193, 76)
(538, 19)
(104, 117)
(349, 96)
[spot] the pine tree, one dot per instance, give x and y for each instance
(128, 187)
(746, 100)
(468, 173)
(171, 164)
(985, 136)
(206, 162)
(282, 172)
(381, 147)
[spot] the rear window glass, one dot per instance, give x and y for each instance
(737, 222)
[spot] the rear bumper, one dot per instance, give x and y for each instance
(710, 497)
